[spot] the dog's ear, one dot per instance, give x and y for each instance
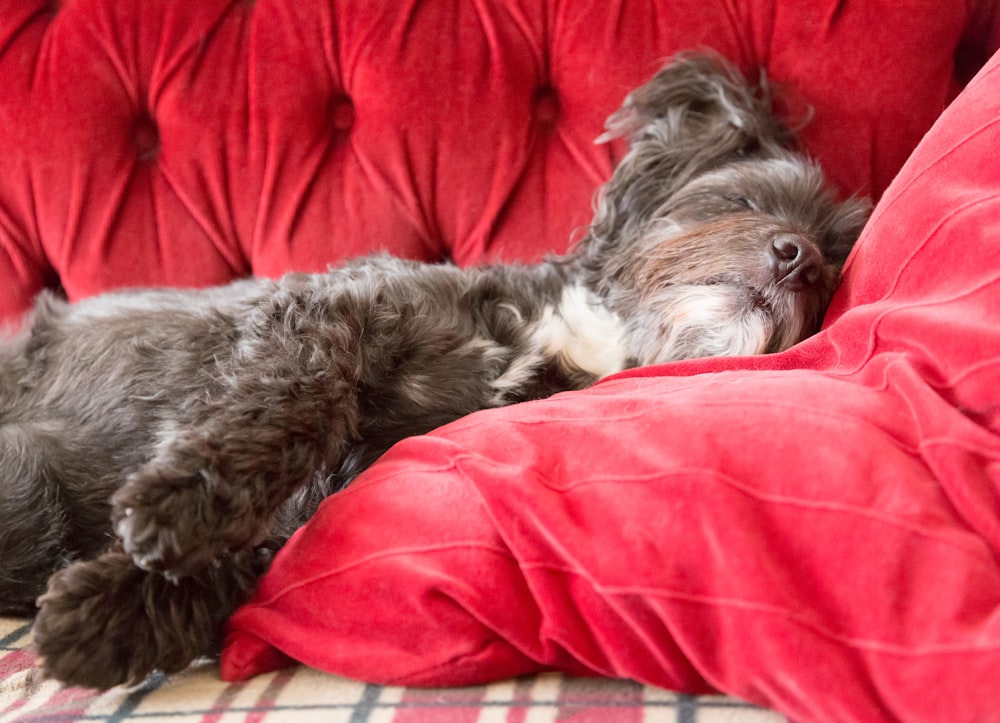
(699, 108)
(693, 115)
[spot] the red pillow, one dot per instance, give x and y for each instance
(815, 531)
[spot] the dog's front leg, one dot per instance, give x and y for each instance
(276, 417)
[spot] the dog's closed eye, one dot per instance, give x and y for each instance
(743, 202)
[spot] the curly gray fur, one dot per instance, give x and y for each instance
(157, 446)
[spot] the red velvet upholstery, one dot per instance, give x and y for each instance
(815, 531)
(187, 143)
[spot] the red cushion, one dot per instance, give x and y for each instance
(815, 531)
(171, 142)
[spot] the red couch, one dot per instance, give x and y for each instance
(815, 531)
(189, 143)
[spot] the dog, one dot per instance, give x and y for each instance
(158, 446)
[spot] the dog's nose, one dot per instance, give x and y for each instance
(796, 263)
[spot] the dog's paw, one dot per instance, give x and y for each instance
(106, 622)
(178, 522)
(92, 628)
(158, 526)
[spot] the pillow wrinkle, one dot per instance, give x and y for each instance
(270, 596)
(975, 496)
(950, 220)
(945, 535)
(548, 532)
(901, 191)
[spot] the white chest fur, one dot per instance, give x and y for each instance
(582, 333)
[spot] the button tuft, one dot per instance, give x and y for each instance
(342, 114)
(545, 106)
(146, 137)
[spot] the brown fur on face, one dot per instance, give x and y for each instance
(157, 446)
(742, 209)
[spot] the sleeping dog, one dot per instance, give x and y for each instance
(157, 447)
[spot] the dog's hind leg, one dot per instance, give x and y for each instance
(33, 530)
(104, 621)
(56, 478)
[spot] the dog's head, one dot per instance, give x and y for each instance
(713, 237)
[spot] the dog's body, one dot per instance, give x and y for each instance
(157, 446)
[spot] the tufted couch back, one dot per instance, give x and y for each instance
(178, 142)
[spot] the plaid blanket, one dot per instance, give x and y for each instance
(303, 694)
